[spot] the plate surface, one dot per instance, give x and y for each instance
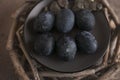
(81, 61)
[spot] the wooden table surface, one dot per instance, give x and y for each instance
(7, 7)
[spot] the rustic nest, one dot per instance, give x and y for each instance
(28, 69)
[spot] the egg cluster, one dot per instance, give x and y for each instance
(63, 22)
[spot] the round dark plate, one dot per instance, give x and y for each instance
(81, 61)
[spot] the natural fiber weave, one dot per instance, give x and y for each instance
(28, 69)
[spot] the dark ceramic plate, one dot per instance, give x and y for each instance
(81, 61)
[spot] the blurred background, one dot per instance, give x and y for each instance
(7, 7)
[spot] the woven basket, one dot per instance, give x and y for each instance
(27, 68)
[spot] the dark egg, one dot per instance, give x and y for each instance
(86, 42)
(66, 48)
(85, 20)
(65, 20)
(44, 22)
(44, 44)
